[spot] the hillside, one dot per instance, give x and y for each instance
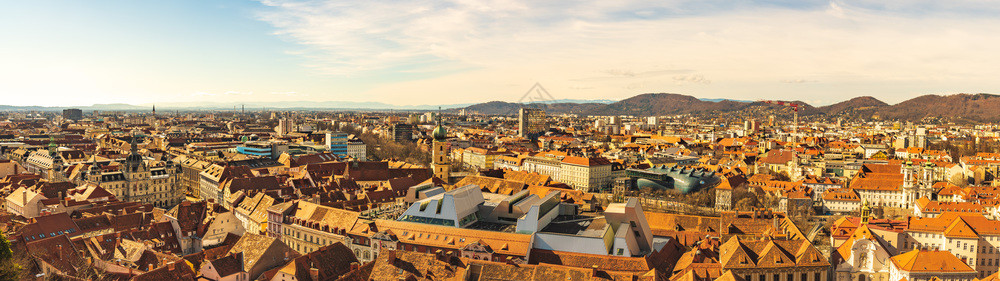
(508, 108)
(641, 105)
(974, 107)
(859, 107)
(662, 104)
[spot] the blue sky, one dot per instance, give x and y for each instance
(439, 52)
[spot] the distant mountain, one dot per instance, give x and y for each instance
(718, 100)
(866, 104)
(110, 106)
(494, 108)
(300, 105)
(673, 104)
(974, 107)
(288, 105)
(641, 105)
(970, 107)
(115, 106)
(332, 105)
(581, 101)
(663, 104)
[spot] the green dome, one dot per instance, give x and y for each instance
(439, 133)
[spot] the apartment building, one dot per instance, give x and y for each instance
(585, 173)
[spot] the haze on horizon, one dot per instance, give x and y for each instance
(467, 51)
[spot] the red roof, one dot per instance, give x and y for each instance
(582, 161)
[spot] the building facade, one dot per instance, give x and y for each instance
(141, 180)
(531, 123)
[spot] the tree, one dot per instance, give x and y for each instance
(769, 201)
(745, 204)
(781, 176)
(703, 198)
(741, 193)
(9, 269)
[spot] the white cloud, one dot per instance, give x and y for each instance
(474, 50)
(696, 78)
(797, 81)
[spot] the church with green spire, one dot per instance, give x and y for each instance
(440, 160)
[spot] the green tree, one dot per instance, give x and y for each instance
(9, 269)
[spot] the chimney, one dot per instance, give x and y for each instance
(593, 270)
(171, 266)
(59, 251)
(24, 198)
(314, 274)
(355, 266)
(392, 257)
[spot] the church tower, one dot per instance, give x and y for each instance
(55, 173)
(135, 171)
(94, 172)
(866, 211)
(440, 163)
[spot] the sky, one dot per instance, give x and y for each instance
(465, 51)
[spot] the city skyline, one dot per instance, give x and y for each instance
(66, 53)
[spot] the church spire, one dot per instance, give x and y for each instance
(437, 116)
(866, 211)
(132, 144)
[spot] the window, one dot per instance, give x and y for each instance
(816, 276)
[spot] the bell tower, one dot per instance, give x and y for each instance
(440, 162)
(866, 211)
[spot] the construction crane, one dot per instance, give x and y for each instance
(795, 108)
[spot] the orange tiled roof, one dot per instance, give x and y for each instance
(586, 161)
(885, 183)
(840, 194)
(940, 207)
(778, 156)
(665, 221)
(736, 253)
(448, 237)
(601, 262)
(960, 229)
(930, 261)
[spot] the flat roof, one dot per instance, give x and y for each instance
(577, 225)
